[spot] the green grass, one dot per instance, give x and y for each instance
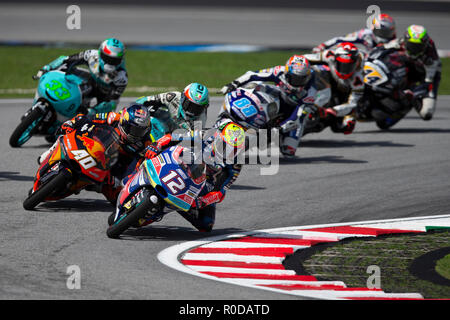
(348, 261)
(443, 267)
(145, 68)
(158, 69)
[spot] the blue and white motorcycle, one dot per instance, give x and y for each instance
(58, 98)
(255, 107)
(162, 184)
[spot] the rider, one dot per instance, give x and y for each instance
(346, 64)
(107, 74)
(133, 126)
(178, 110)
(222, 169)
(298, 88)
(421, 49)
(382, 30)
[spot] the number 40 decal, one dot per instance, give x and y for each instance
(84, 159)
(174, 182)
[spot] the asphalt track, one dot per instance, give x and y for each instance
(368, 175)
(280, 27)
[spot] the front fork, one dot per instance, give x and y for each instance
(155, 212)
(49, 124)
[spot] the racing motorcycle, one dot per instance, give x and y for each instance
(58, 98)
(162, 184)
(389, 91)
(79, 159)
(322, 115)
(255, 106)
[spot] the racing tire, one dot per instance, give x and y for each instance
(381, 124)
(117, 228)
(57, 183)
(17, 138)
(111, 219)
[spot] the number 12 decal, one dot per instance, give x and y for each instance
(174, 182)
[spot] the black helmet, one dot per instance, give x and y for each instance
(134, 123)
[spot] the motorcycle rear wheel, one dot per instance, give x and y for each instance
(117, 228)
(25, 129)
(57, 183)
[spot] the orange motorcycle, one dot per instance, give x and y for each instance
(79, 159)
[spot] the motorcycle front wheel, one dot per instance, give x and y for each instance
(26, 128)
(128, 219)
(58, 182)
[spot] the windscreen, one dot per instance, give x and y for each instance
(109, 138)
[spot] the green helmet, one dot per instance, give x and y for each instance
(416, 40)
(194, 101)
(111, 54)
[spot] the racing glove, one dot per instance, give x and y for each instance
(289, 125)
(156, 147)
(230, 87)
(103, 107)
(319, 48)
(70, 125)
(66, 127)
(210, 198)
(58, 63)
(152, 150)
(150, 104)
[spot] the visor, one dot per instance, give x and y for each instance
(110, 141)
(110, 60)
(414, 48)
(296, 80)
(384, 33)
(345, 68)
(133, 132)
(192, 109)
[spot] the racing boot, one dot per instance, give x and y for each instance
(426, 108)
(290, 142)
(43, 156)
(348, 124)
(111, 189)
(202, 219)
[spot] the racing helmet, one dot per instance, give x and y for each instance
(297, 71)
(383, 28)
(111, 54)
(194, 101)
(227, 144)
(347, 59)
(134, 123)
(416, 40)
